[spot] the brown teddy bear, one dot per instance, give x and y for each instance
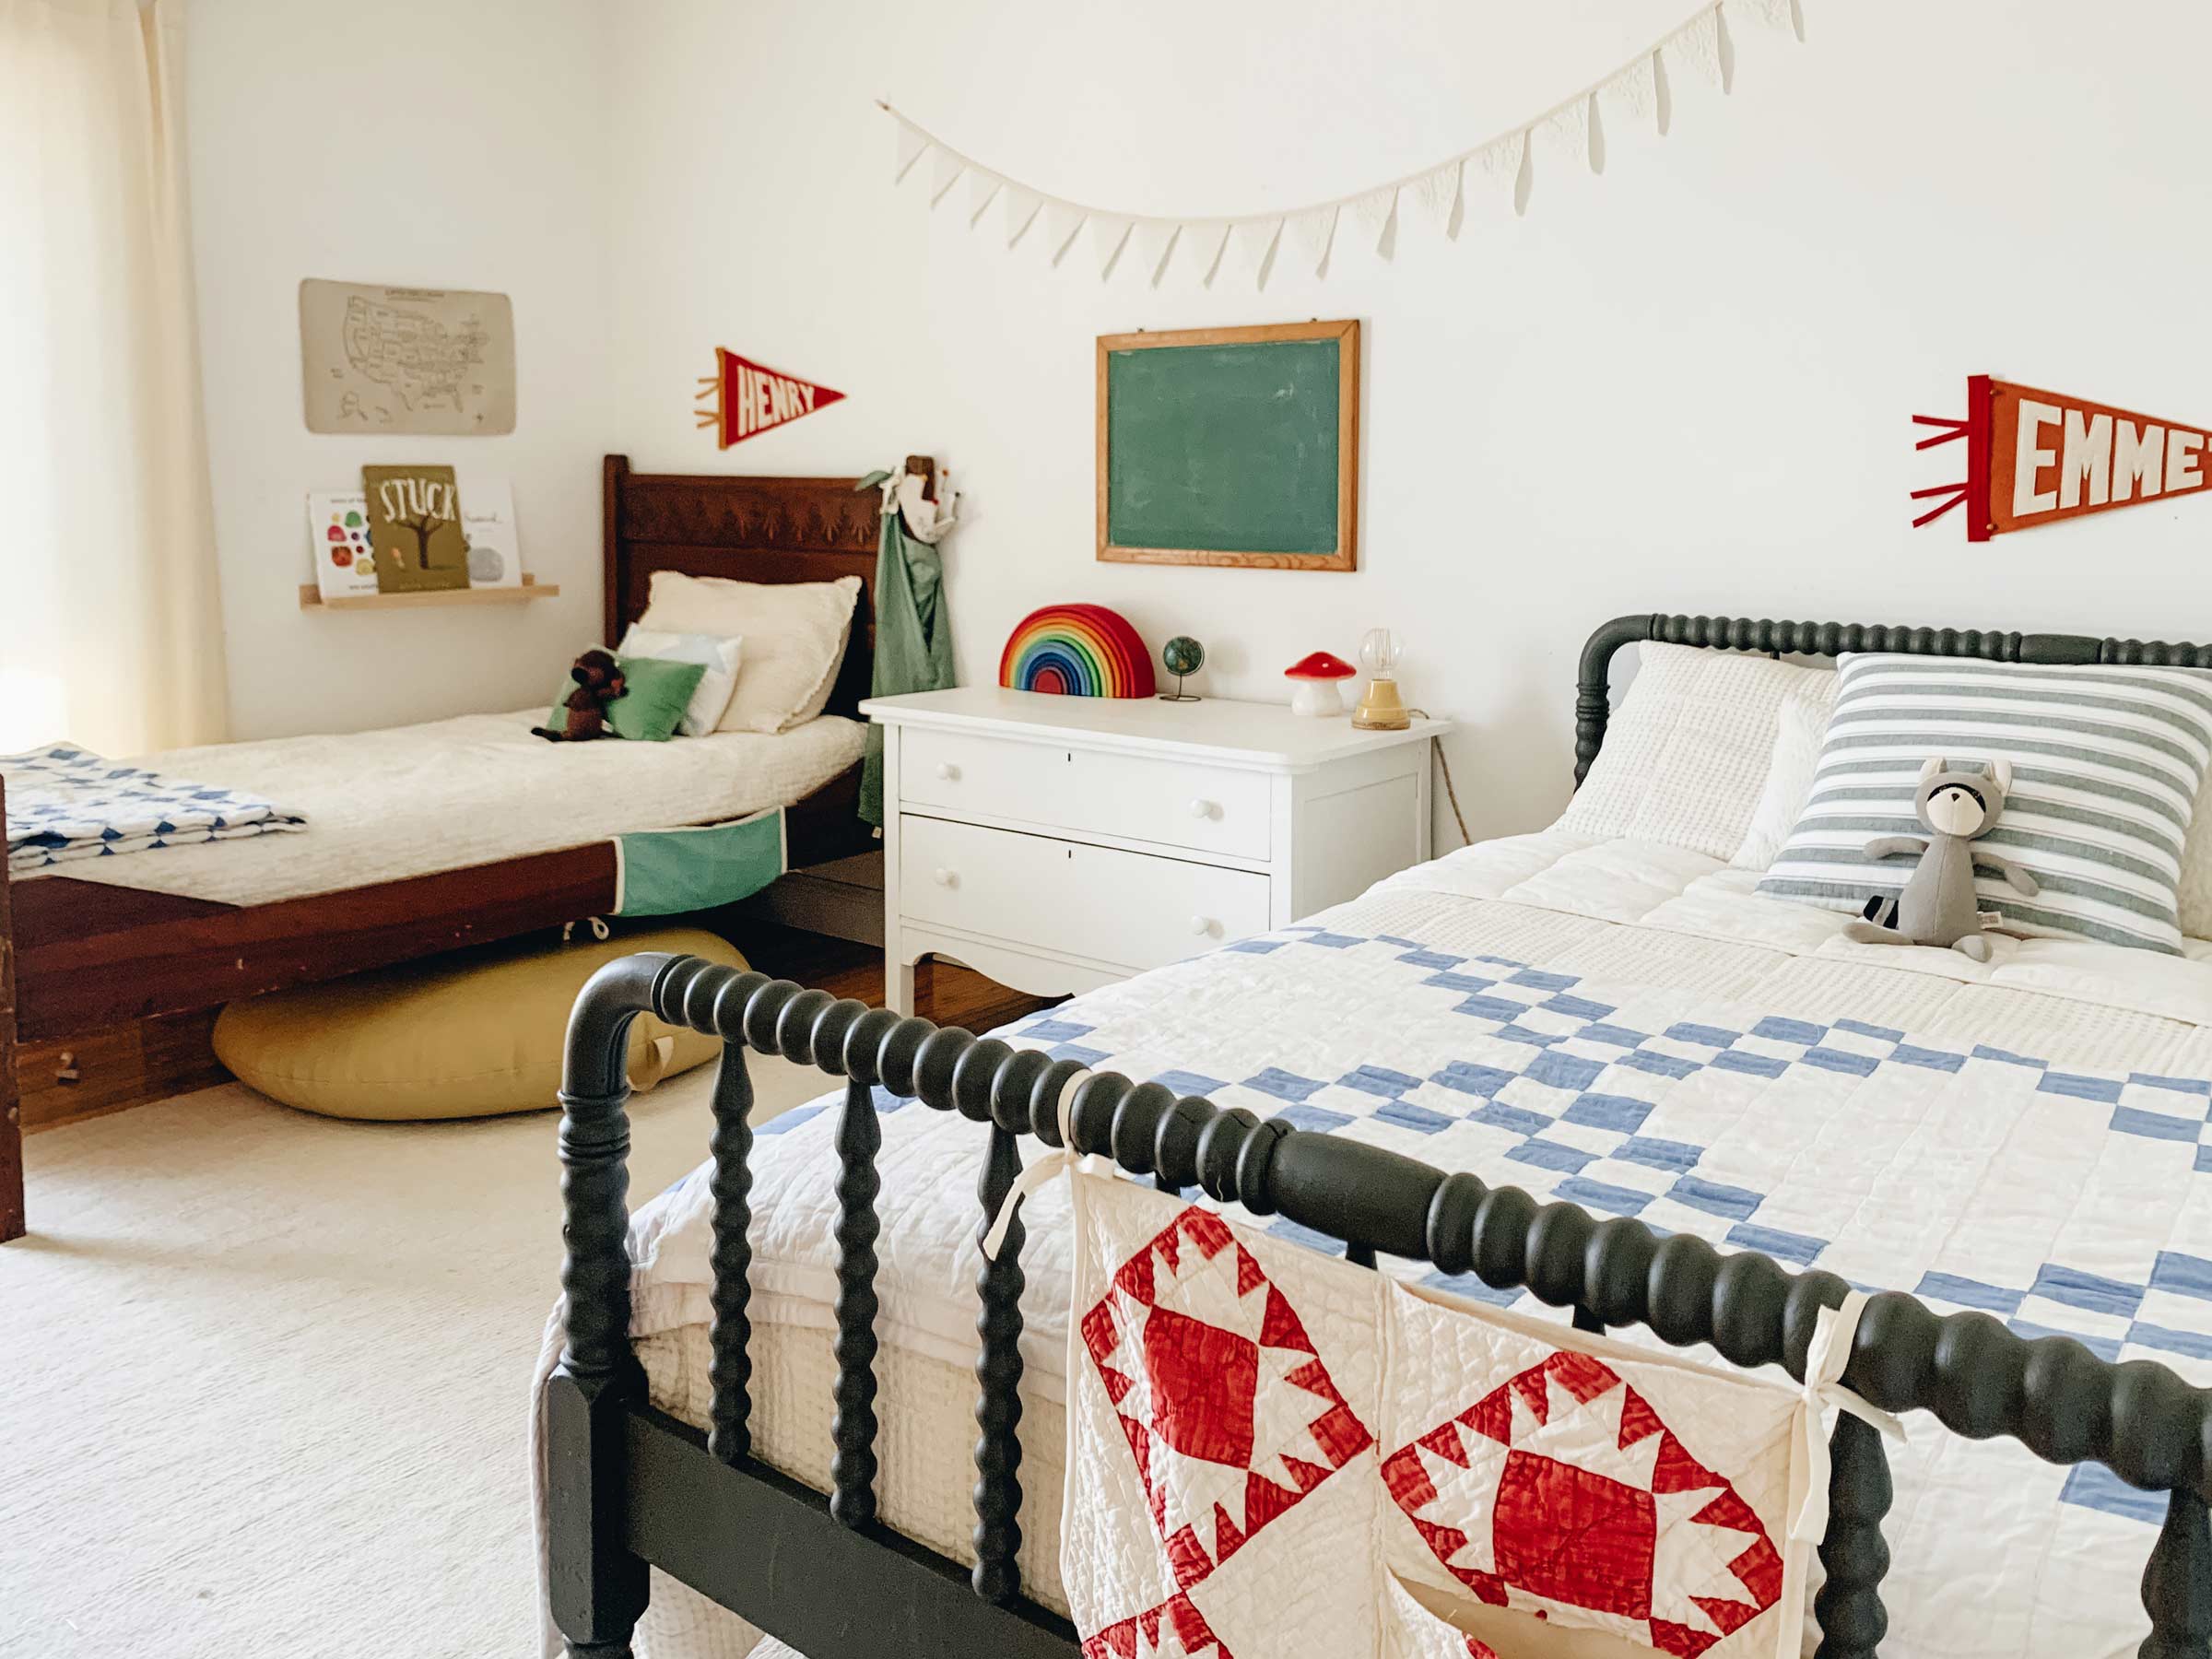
(598, 682)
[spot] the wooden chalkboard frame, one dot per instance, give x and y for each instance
(1346, 332)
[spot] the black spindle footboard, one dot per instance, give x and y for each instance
(628, 1485)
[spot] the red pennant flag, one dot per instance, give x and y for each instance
(749, 398)
(2035, 457)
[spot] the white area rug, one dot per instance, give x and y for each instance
(264, 1376)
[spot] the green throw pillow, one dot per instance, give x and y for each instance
(655, 694)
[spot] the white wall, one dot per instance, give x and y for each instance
(1684, 385)
(411, 142)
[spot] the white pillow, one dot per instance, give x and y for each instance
(2107, 761)
(717, 655)
(1803, 720)
(794, 633)
(2196, 890)
(1686, 753)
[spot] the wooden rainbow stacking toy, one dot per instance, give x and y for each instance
(1077, 651)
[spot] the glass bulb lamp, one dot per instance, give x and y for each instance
(1380, 709)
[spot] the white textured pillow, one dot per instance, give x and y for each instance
(2107, 763)
(2196, 890)
(794, 633)
(1803, 720)
(717, 655)
(1686, 753)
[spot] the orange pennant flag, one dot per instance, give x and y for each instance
(750, 399)
(2035, 457)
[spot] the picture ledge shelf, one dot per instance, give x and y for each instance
(311, 598)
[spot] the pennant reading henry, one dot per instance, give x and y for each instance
(750, 399)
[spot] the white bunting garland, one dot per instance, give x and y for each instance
(912, 141)
(1204, 242)
(945, 172)
(1438, 192)
(1062, 220)
(1253, 241)
(983, 188)
(1373, 212)
(1572, 134)
(1107, 233)
(1564, 136)
(1315, 229)
(1155, 242)
(1022, 204)
(1633, 94)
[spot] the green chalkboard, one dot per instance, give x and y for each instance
(1230, 446)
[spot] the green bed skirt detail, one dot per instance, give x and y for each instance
(670, 872)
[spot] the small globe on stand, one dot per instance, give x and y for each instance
(1179, 656)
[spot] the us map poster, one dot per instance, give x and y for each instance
(435, 362)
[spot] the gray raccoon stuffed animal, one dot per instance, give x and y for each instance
(1938, 906)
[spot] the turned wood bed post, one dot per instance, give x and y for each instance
(596, 1587)
(998, 1284)
(12, 1222)
(1848, 1606)
(730, 1330)
(853, 1429)
(2177, 1585)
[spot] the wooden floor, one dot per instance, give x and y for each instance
(949, 994)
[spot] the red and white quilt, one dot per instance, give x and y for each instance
(1274, 1452)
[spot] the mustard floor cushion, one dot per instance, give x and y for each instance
(470, 1038)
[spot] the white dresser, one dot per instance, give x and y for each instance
(1058, 843)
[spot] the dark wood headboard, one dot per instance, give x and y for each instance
(753, 529)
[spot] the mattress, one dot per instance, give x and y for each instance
(2020, 1135)
(408, 801)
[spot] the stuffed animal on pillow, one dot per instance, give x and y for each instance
(598, 682)
(1937, 906)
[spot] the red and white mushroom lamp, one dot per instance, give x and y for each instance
(1313, 682)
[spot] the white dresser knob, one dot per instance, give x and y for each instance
(948, 771)
(1204, 926)
(944, 877)
(1203, 809)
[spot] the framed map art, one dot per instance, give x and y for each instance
(405, 361)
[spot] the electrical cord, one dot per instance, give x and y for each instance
(1451, 794)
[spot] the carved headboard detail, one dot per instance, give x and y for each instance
(755, 529)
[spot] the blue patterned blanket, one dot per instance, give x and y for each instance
(1978, 1153)
(2062, 1199)
(67, 803)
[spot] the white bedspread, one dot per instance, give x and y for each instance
(413, 800)
(2020, 1137)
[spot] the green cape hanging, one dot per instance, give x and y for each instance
(914, 630)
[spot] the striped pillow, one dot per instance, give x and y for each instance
(2107, 761)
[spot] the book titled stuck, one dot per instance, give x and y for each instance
(415, 529)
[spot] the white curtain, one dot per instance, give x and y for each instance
(110, 623)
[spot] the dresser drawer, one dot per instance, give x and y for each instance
(1173, 803)
(1128, 908)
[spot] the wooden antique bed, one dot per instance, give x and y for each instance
(630, 1484)
(77, 956)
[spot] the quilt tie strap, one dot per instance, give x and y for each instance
(1044, 1171)
(1825, 1361)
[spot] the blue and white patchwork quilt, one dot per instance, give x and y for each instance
(67, 803)
(1634, 1031)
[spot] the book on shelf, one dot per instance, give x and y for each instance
(415, 529)
(337, 531)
